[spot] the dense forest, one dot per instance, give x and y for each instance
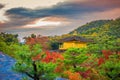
(93, 24)
(109, 27)
(100, 60)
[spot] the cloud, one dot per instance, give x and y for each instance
(71, 13)
(67, 9)
(48, 22)
(32, 4)
(16, 21)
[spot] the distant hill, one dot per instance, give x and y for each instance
(93, 24)
(109, 27)
(114, 28)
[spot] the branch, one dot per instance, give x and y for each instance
(35, 69)
(29, 75)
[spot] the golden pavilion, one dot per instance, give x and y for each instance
(73, 42)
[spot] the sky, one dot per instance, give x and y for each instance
(53, 17)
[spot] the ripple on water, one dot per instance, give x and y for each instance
(6, 73)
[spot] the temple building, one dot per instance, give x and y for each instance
(73, 42)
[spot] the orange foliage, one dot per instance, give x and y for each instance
(72, 76)
(38, 40)
(49, 57)
(52, 57)
(38, 57)
(30, 41)
(118, 53)
(59, 68)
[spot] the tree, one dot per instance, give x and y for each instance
(33, 36)
(52, 57)
(73, 57)
(54, 45)
(6, 42)
(43, 41)
(8, 38)
(34, 68)
(111, 68)
(3, 46)
(72, 75)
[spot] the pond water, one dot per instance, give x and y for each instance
(6, 73)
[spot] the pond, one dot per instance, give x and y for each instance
(6, 73)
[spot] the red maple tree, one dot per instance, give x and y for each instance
(52, 57)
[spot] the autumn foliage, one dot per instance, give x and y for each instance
(85, 74)
(101, 61)
(106, 54)
(72, 75)
(59, 68)
(43, 40)
(35, 58)
(49, 57)
(52, 57)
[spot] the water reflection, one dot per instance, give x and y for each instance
(6, 73)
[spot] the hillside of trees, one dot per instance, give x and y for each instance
(90, 25)
(109, 27)
(105, 36)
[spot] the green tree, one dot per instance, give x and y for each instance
(9, 38)
(3, 47)
(34, 68)
(6, 43)
(33, 36)
(111, 68)
(73, 57)
(54, 45)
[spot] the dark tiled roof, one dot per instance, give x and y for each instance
(77, 38)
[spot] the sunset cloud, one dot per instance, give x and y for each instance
(58, 17)
(47, 21)
(67, 9)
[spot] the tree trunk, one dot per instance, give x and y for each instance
(36, 76)
(74, 66)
